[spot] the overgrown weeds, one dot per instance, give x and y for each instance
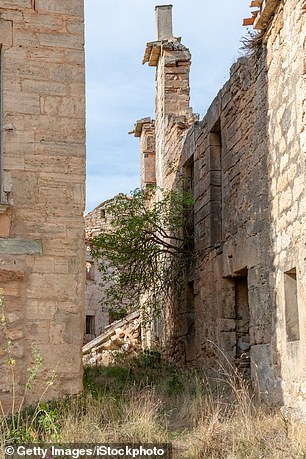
(144, 400)
(252, 42)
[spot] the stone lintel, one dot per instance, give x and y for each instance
(266, 10)
(20, 247)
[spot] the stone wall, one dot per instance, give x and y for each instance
(286, 114)
(97, 307)
(244, 164)
(122, 337)
(145, 130)
(42, 192)
(96, 313)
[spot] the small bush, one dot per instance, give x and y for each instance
(175, 385)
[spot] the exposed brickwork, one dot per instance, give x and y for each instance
(42, 191)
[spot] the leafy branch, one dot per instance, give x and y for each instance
(146, 250)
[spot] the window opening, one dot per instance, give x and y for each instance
(291, 306)
(90, 325)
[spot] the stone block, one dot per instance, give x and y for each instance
(21, 102)
(11, 289)
(6, 32)
(18, 142)
(43, 264)
(213, 113)
(61, 40)
(20, 246)
(25, 38)
(61, 6)
(40, 310)
(43, 22)
(8, 276)
(5, 224)
(43, 87)
(227, 325)
(75, 26)
(15, 334)
(261, 367)
(18, 4)
(38, 330)
(74, 56)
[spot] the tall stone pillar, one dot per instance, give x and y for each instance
(145, 130)
(172, 62)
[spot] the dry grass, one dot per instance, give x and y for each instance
(145, 401)
(211, 419)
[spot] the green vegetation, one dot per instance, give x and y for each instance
(144, 400)
(147, 247)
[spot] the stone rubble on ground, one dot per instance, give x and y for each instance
(124, 335)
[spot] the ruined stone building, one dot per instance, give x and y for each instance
(42, 93)
(99, 312)
(245, 164)
(96, 314)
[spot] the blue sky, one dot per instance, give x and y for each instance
(120, 90)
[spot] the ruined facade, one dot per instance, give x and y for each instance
(99, 311)
(245, 164)
(42, 194)
(96, 314)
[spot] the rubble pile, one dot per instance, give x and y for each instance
(121, 336)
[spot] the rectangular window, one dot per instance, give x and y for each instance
(103, 216)
(188, 184)
(215, 183)
(90, 325)
(90, 274)
(189, 176)
(291, 306)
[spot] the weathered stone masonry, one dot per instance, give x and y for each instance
(42, 191)
(96, 313)
(245, 163)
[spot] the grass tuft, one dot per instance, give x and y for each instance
(143, 400)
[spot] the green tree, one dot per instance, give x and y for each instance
(145, 252)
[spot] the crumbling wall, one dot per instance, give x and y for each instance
(246, 295)
(96, 313)
(42, 192)
(286, 104)
(121, 337)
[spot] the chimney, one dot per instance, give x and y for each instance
(164, 22)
